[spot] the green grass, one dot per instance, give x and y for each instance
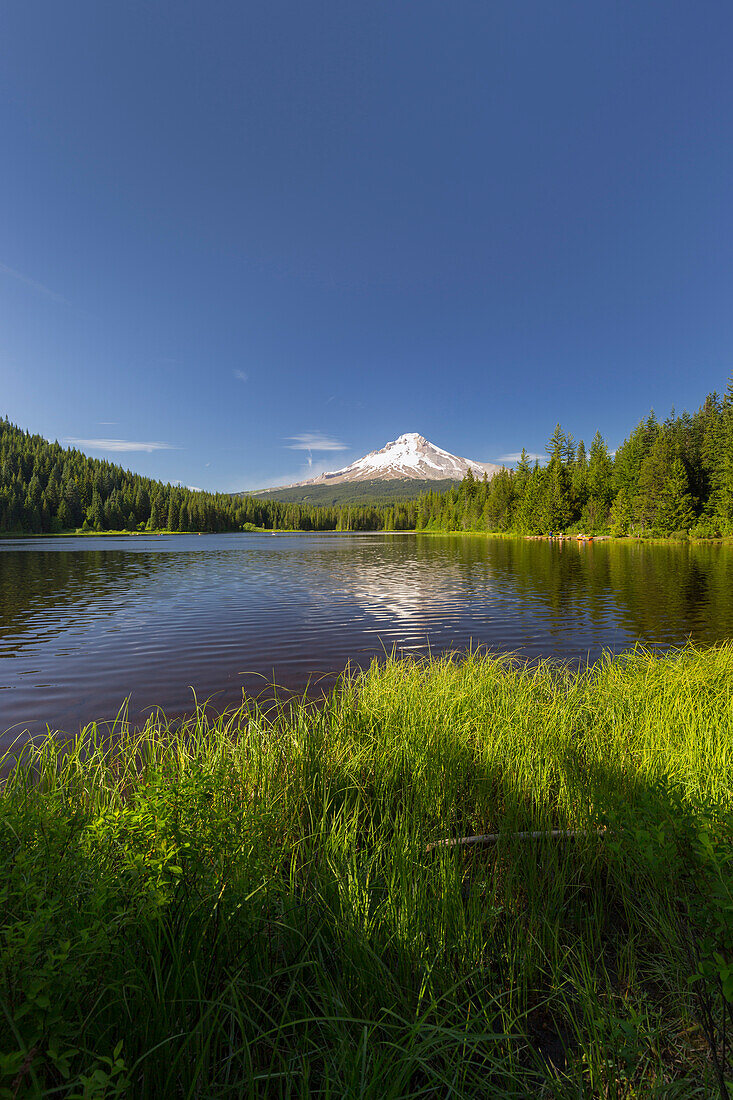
(80, 532)
(244, 906)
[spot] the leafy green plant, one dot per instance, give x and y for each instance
(681, 849)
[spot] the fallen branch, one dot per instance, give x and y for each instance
(494, 838)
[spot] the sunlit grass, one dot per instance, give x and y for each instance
(247, 903)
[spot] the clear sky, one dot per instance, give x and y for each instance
(233, 229)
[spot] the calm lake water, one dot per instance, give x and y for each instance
(85, 623)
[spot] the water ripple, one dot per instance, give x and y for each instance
(85, 623)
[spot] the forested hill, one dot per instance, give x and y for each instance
(670, 477)
(47, 488)
(375, 491)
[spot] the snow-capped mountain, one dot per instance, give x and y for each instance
(411, 456)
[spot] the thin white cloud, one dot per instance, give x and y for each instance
(106, 423)
(118, 445)
(516, 456)
(241, 375)
(314, 441)
(342, 404)
(305, 473)
(38, 287)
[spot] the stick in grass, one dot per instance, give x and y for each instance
(494, 838)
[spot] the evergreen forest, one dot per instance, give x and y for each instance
(670, 478)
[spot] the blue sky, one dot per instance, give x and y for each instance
(234, 230)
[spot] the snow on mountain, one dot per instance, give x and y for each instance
(410, 456)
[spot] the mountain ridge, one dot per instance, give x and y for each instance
(374, 491)
(410, 457)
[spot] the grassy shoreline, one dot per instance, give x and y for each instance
(246, 905)
(624, 539)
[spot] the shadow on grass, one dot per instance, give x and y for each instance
(250, 910)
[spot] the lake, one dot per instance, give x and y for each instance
(85, 623)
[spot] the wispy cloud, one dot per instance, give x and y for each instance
(118, 445)
(241, 375)
(350, 405)
(516, 456)
(33, 284)
(304, 473)
(106, 423)
(315, 441)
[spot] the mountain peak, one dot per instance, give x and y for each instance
(410, 456)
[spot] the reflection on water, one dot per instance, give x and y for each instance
(86, 622)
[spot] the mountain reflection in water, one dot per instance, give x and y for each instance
(84, 623)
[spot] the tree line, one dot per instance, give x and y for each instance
(667, 478)
(46, 488)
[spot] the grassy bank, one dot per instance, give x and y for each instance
(81, 532)
(646, 540)
(248, 907)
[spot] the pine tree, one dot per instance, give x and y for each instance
(94, 516)
(528, 518)
(663, 503)
(676, 511)
(595, 517)
(579, 478)
(621, 514)
(556, 445)
(173, 514)
(522, 472)
(64, 517)
(631, 454)
(722, 474)
(156, 520)
(556, 509)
